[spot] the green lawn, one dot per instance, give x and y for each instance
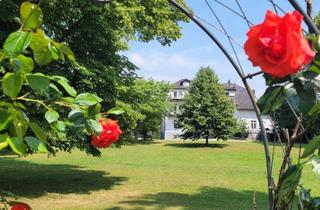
(159, 175)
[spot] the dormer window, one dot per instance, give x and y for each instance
(184, 83)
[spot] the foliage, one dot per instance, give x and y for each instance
(97, 32)
(207, 111)
(239, 130)
(15, 205)
(292, 100)
(61, 112)
(148, 103)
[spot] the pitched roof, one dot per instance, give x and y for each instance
(241, 97)
(178, 84)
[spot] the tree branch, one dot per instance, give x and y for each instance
(309, 8)
(296, 128)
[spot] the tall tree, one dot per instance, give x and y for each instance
(207, 111)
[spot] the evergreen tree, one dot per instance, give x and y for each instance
(207, 111)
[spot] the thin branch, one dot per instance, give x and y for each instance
(22, 98)
(309, 8)
(250, 76)
(296, 128)
(304, 132)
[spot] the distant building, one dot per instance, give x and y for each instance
(244, 110)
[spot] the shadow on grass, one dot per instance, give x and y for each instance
(32, 180)
(206, 198)
(277, 144)
(196, 145)
(141, 142)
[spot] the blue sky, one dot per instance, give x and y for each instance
(184, 57)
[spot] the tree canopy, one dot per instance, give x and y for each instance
(98, 32)
(207, 111)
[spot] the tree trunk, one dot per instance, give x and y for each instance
(207, 140)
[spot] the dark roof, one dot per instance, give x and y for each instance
(178, 84)
(241, 97)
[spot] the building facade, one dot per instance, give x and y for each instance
(244, 110)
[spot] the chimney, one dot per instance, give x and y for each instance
(254, 91)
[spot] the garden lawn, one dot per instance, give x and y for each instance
(158, 175)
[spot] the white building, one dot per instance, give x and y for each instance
(244, 110)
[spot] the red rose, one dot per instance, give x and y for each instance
(20, 206)
(278, 46)
(110, 133)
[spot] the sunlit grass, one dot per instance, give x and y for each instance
(159, 175)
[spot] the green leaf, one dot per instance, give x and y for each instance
(289, 183)
(38, 81)
(19, 105)
(305, 97)
(76, 117)
(20, 124)
(54, 87)
(94, 126)
(38, 132)
(70, 90)
(23, 64)
(17, 42)
(43, 51)
(12, 84)
(272, 81)
(60, 129)
(315, 110)
(17, 145)
(311, 147)
(87, 99)
(45, 57)
(36, 145)
(116, 111)
(40, 41)
(31, 15)
(94, 110)
(5, 119)
(65, 84)
(2, 55)
(78, 120)
(51, 116)
(272, 99)
(68, 52)
(4, 142)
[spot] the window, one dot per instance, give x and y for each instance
(175, 124)
(253, 124)
(175, 94)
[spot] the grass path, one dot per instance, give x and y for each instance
(160, 175)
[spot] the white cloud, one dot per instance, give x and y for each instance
(162, 64)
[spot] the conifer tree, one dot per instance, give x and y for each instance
(207, 111)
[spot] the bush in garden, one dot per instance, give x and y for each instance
(240, 130)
